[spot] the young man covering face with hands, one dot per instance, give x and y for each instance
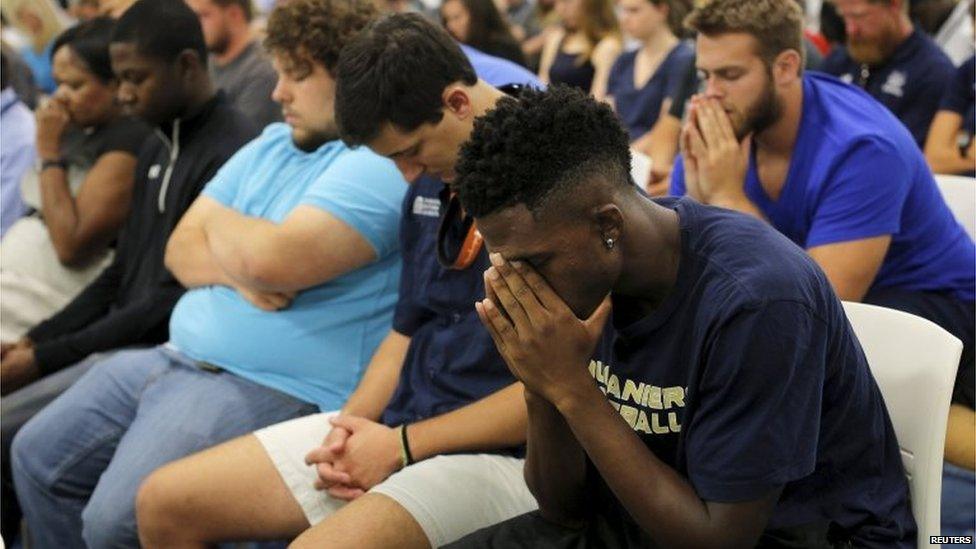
(714, 406)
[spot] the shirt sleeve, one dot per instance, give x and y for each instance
(757, 424)
(863, 197)
(365, 191)
(93, 302)
(677, 187)
(144, 320)
(922, 102)
(126, 135)
(959, 95)
(224, 186)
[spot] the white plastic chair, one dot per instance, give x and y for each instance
(914, 362)
(959, 193)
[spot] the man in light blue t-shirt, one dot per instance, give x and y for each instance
(292, 261)
(834, 171)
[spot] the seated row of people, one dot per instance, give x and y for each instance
(291, 257)
(520, 178)
(164, 82)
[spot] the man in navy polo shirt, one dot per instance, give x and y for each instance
(423, 460)
(886, 56)
(828, 167)
(732, 405)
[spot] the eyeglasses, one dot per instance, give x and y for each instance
(458, 240)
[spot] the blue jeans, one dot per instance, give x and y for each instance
(958, 501)
(16, 409)
(78, 464)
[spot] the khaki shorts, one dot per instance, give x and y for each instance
(449, 496)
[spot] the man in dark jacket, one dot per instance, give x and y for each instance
(163, 79)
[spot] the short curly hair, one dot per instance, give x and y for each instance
(305, 31)
(544, 143)
(777, 25)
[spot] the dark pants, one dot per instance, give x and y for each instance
(954, 316)
(531, 531)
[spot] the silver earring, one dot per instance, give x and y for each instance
(609, 243)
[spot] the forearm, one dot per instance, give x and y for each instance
(660, 500)
(141, 322)
(239, 244)
(375, 390)
(555, 465)
(60, 214)
(496, 421)
(189, 258)
(87, 307)
(960, 444)
(948, 160)
(661, 142)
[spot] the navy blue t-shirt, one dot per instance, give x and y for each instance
(748, 377)
(451, 361)
(639, 108)
(910, 84)
(856, 174)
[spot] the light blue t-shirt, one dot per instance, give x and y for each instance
(317, 348)
(856, 173)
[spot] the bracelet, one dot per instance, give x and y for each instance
(406, 458)
(58, 163)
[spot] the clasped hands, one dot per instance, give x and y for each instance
(715, 161)
(356, 455)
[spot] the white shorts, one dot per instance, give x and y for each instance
(449, 496)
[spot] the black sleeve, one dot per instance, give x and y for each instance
(124, 135)
(92, 303)
(143, 320)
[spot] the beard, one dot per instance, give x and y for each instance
(219, 44)
(875, 51)
(308, 140)
(763, 113)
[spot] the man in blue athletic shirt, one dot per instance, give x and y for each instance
(828, 167)
(720, 405)
(428, 446)
(888, 57)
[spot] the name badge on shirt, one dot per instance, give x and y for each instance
(428, 207)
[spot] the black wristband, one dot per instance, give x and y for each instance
(406, 444)
(58, 163)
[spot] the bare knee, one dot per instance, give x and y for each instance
(160, 506)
